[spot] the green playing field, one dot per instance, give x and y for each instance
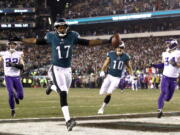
(85, 102)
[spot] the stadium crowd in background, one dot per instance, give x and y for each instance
(85, 68)
(17, 4)
(36, 57)
(106, 7)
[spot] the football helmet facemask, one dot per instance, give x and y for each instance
(121, 45)
(171, 44)
(120, 48)
(12, 46)
(61, 27)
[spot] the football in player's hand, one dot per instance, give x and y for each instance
(116, 39)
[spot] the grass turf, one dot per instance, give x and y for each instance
(84, 102)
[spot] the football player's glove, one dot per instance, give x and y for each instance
(102, 74)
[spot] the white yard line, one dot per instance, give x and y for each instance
(58, 128)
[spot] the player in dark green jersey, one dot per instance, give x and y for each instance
(62, 41)
(116, 61)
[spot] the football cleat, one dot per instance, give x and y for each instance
(70, 124)
(160, 114)
(13, 113)
(48, 89)
(100, 111)
(16, 100)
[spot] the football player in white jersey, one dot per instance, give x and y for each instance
(171, 65)
(13, 63)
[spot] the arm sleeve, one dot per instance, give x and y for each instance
(159, 66)
(81, 41)
(41, 41)
(19, 66)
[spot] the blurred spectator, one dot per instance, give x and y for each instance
(106, 7)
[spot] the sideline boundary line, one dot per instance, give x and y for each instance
(94, 117)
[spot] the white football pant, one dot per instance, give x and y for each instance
(61, 77)
(110, 83)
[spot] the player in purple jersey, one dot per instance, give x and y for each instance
(170, 64)
(13, 63)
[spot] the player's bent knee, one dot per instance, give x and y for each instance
(63, 95)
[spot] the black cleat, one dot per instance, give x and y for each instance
(48, 89)
(160, 114)
(13, 113)
(16, 100)
(70, 124)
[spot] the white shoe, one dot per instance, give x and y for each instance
(100, 111)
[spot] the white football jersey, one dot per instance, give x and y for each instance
(169, 70)
(11, 57)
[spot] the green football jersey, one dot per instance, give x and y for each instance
(117, 63)
(61, 47)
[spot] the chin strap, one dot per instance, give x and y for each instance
(61, 35)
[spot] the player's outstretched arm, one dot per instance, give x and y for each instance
(159, 66)
(113, 40)
(129, 68)
(37, 41)
(93, 42)
(96, 42)
(29, 40)
(104, 67)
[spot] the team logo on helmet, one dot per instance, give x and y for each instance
(121, 45)
(61, 22)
